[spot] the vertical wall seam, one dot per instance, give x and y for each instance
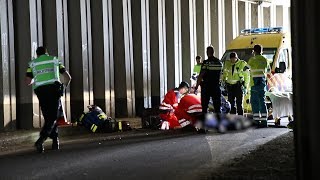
(128, 57)
(5, 67)
(66, 53)
(11, 62)
(149, 51)
(111, 59)
(89, 52)
(146, 53)
(131, 63)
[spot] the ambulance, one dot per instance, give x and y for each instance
(277, 50)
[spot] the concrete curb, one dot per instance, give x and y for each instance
(118, 136)
(24, 144)
(28, 136)
(17, 138)
(20, 140)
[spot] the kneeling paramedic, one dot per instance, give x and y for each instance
(170, 104)
(189, 110)
(43, 73)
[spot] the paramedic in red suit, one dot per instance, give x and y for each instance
(189, 109)
(170, 104)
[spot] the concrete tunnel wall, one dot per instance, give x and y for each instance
(123, 55)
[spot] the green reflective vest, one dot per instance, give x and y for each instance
(45, 70)
(197, 69)
(240, 72)
(258, 67)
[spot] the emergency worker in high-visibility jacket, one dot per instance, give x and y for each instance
(258, 70)
(170, 104)
(43, 74)
(197, 66)
(189, 110)
(236, 77)
(196, 71)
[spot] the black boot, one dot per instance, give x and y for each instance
(55, 144)
(39, 144)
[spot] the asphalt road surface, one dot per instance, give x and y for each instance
(185, 156)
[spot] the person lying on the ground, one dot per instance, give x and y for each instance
(228, 122)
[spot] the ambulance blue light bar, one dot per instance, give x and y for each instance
(262, 30)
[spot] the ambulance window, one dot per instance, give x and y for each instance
(225, 56)
(269, 54)
(243, 54)
(283, 61)
(284, 57)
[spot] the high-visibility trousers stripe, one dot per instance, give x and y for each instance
(94, 128)
(81, 117)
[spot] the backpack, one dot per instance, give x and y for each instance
(151, 119)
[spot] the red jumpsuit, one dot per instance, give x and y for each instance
(169, 104)
(189, 105)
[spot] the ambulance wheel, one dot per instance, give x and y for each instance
(277, 121)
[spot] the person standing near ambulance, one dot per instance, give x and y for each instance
(43, 74)
(258, 69)
(236, 77)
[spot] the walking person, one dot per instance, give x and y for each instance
(43, 74)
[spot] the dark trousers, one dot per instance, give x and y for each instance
(49, 99)
(235, 97)
(214, 93)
